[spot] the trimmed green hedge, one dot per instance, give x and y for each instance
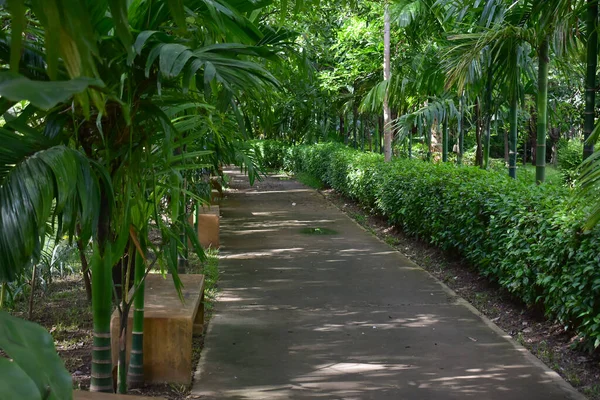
(527, 238)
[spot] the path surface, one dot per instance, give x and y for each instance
(343, 316)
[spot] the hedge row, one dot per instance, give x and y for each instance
(527, 238)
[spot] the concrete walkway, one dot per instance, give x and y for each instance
(343, 316)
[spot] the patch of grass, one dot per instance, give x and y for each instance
(210, 269)
(553, 175)
(593, 390)
(309, 180)
(358, 217)
(318, 231)
(391, 241)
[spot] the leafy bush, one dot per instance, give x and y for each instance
(527, 238)
(570, 155)
(271, 153)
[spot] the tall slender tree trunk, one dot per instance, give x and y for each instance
(542, 112)
(354, 123)
(362, 134)
(387, 126)
(505, 145)
(85, 270)
(533, 129)
(478, 139)
(512, 150)
(135, 372)
(429, 141)
(124, 321)
(410, 139)
(445, 139)
(380, 135)
(461, 133)
(342, 132)
(590, 81)
(102, 377)
(488, 115)
(31, 295)
(346, 135)
(2, 294)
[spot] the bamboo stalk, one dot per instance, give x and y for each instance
(542, 112)
(33, 278)
(590, 80)
(135, 373)
(102, 378)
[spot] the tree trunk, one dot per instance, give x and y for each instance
(429, 141)
(342, 132)
(102, 377)
(512, 150)
(505, 145)
(346, 136)
(488, 115)
(2, 294)
(525, 142)
(387, 126)
(542, 112)
(461, 133)
(33, 279)
(380, 137)
(445, 140)
(590, 81)
(362, 134)
(354, 124)
(533, 129)
(478, 129)
(85, 270)
(135, 373)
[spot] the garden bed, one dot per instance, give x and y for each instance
(64, 311)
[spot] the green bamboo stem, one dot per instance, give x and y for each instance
(488, 116)
(512, 150)
(124, 320)
(542, 112)
(102, 378)
(135, 374)
(445, 140)
(410, 137)
(461, 133)
(2, 294)
(590, 80)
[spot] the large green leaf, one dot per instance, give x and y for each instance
(42, 94)
(15, 384)
(32, 350)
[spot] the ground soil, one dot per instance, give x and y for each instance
(547, 340)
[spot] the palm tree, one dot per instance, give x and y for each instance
(117, 147)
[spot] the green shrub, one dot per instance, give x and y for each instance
(569, 157)
(527, 238)
(271, 153)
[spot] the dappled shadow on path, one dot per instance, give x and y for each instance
(335, 316)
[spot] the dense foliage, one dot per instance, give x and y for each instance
(525, 237)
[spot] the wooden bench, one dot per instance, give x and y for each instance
(82, 395)
(168, 328)
(208, 223)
